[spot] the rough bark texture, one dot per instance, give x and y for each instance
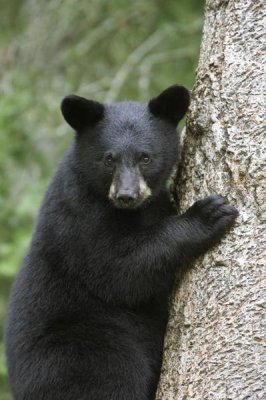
(214, 347)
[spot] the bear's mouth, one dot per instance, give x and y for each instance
(127, 203)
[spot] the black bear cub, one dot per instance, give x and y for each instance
(89, 307)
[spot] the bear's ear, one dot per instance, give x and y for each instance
(171, 105)
(81, 113)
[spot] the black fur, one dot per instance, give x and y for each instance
(89, 307)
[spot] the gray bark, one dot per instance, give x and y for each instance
(214, 346)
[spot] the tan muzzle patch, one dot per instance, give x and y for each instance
(144, 190)
(112, 191)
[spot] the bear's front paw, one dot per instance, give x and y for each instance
(214, 213)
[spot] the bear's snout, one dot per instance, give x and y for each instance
(128, 188)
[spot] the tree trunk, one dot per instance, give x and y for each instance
(214, 345)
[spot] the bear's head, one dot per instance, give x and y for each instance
(126, 151)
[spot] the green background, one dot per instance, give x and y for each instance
(104, 50)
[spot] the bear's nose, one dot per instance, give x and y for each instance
(125, 197)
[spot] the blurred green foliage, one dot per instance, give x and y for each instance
(102, 49)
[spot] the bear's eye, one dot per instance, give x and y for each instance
(109, 160)
(145, 159)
